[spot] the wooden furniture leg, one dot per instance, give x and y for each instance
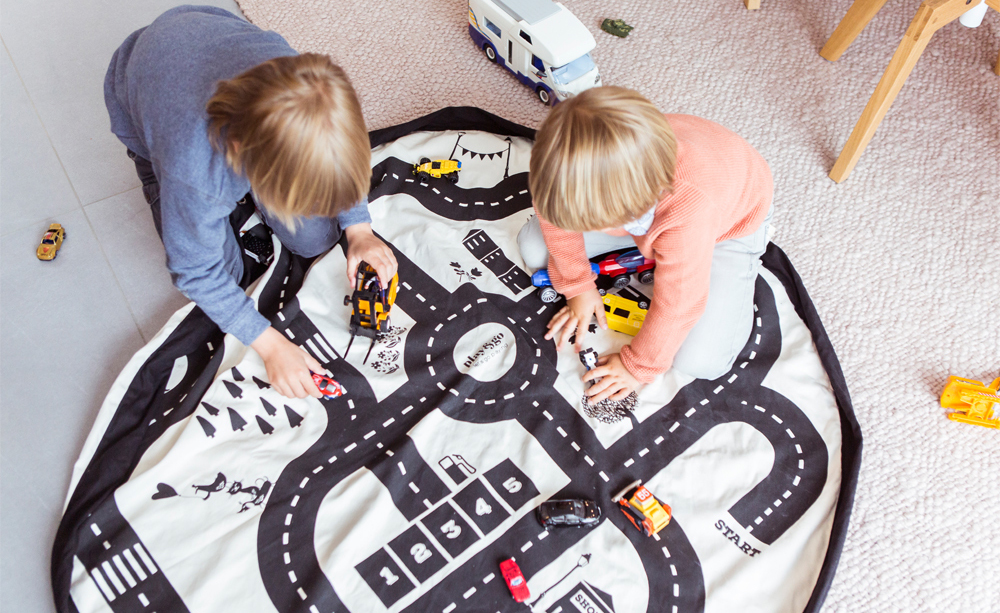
(931, 17)
(752, 4)
(857, 17)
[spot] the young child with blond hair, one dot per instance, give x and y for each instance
(212, 107)
(609, 170)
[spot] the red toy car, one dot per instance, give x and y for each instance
(328, 387)
(516, 582)
(621, 267)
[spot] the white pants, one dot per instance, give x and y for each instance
(716, 339)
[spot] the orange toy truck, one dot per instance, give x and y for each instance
(973, 402)
(641, 508)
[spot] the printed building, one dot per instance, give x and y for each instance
(486, 251)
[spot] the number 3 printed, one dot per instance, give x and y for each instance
(451, 529)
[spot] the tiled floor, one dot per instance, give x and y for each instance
(67, 327)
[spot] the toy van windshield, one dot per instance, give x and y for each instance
(574, 70)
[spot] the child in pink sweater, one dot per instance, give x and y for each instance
(609, 170)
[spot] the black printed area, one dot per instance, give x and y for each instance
(512, 484)
(479, 504)
(384, 576)
(451, 531)
(418, 553)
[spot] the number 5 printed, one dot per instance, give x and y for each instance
(512, 485)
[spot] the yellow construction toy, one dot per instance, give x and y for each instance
(973, 402)
(370, 306)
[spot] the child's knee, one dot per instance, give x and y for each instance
(704, 364)
(532, 245)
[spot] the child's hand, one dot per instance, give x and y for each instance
(615, 381)
(575, 317)
(287, 365)
(362, 244)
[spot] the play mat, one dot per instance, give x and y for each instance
(200, 488)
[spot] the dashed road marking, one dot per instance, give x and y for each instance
(560, 430)
(643, 452)
(603, 476)
(776, 418)
(675, 426)
(350, 447)
(629, 462)
(718, 389)
(791, 435)
(468, 593)
(658, 440)
(588, 460)
(526, 546)
(488, 578)
(690, 412)
(547, 415)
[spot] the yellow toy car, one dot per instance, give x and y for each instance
(52, 240)
(437, 169)
(641, 508)
(624, 315)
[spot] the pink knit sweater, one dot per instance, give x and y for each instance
(722, 190)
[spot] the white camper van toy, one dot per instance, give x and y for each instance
(540, 41)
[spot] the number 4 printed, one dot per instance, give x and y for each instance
(483, 507)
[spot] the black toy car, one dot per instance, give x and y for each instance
(576, 512)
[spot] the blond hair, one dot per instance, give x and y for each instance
(293, 126)
(601, 159)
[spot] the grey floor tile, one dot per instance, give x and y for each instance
(62, 50)
(65, 334)
(124, 227)
(33, 185)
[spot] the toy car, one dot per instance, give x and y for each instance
(52, 240)
(516, 582)
(437, 169)
(573, 512)
(616, 268)
(621, 267)
(327, 386)
(624, 314)
(370, 305)
(646, 513)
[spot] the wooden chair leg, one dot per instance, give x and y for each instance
(752, 5)
(857, 17)
(931, 16)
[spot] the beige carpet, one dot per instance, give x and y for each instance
(902, 260)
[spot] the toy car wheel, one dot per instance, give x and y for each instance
(423, 176)
(347, 300)
(543, 95)
(644, 305)
(491, 53)
(646, 277)
(452, 178)
(602, 291)
(620, 281)
(424, 161)
(548, 294)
